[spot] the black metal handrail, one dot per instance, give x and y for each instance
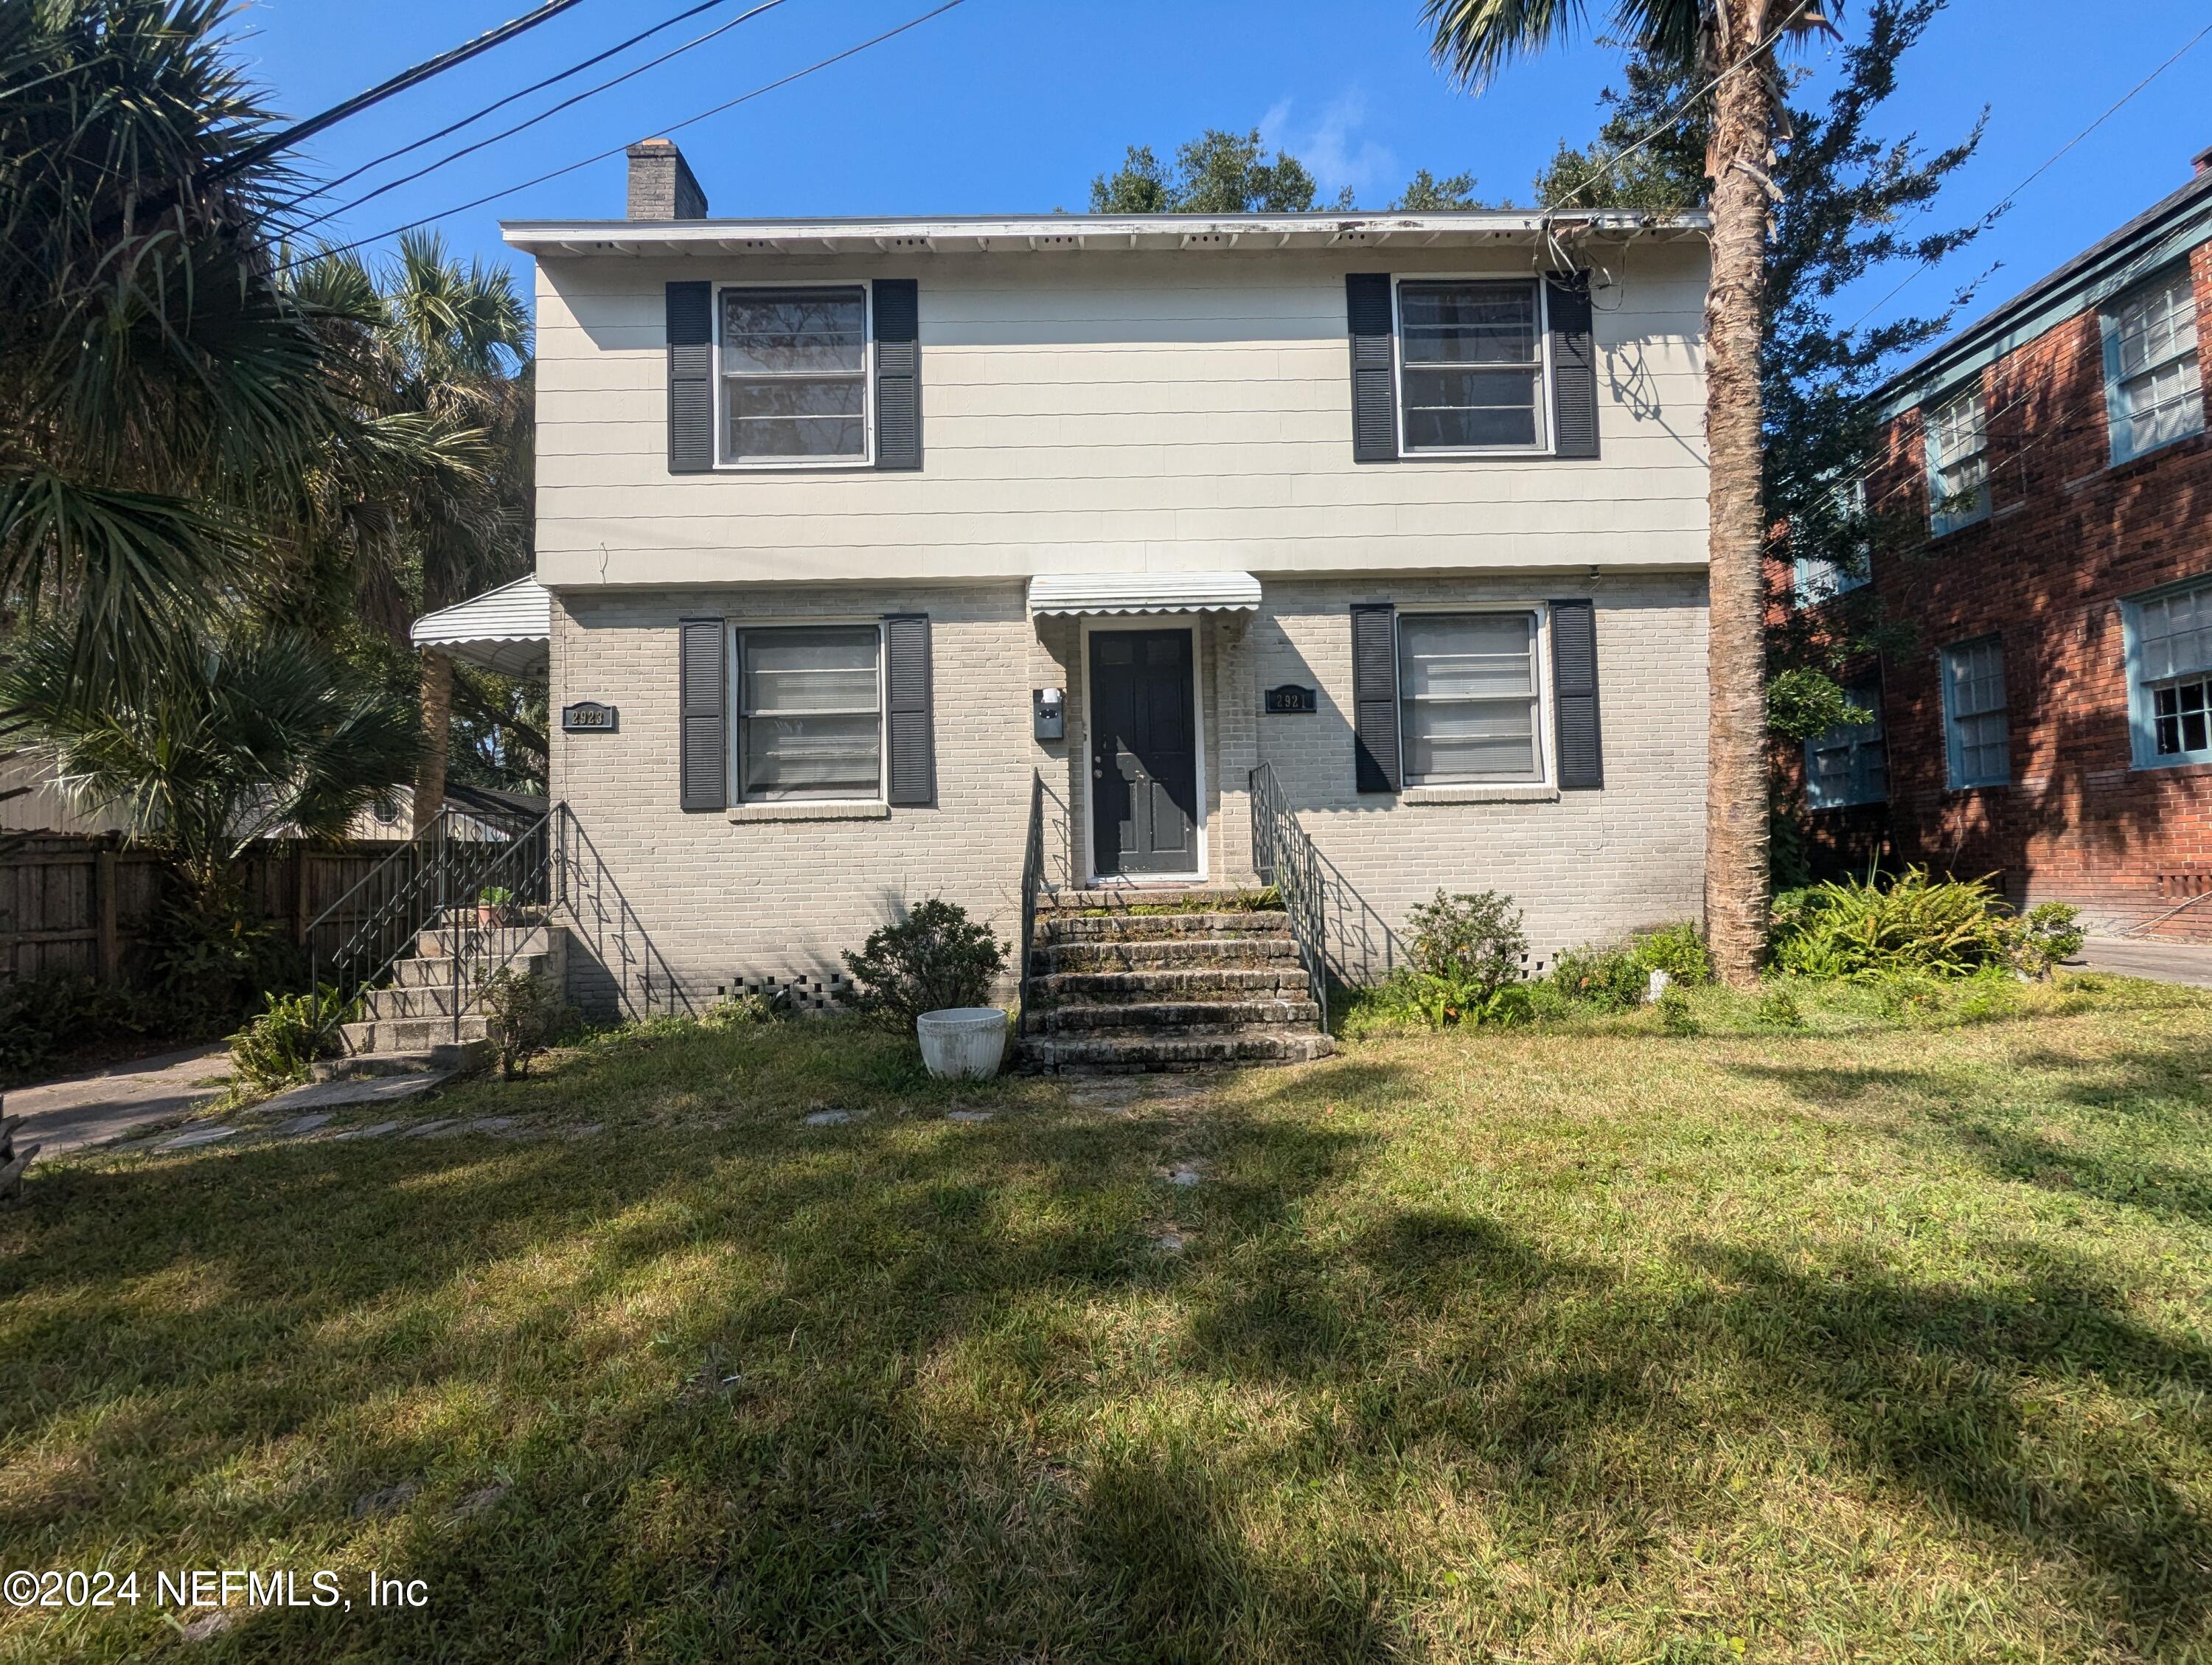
(1032, 881)
(485, 939)
(1283, 856)
(607, 929)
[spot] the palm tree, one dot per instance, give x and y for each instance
(1727, 46)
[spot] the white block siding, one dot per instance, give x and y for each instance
(1107, 411)
(726, 895)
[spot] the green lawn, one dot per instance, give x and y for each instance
(1887, 1341)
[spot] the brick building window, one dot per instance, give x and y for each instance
(809, 713)
(2154, 389)
(1975, 734)
(1958, 462)
(1850, 763)
(1467, 698)
(2170, 674)
(1821, 578)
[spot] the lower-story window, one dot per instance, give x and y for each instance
(1976, 738)
(1467, 698)
(810, 712)
(2170, 674)
(1850, 763)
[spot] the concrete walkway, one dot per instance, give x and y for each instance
(2160, 962)
(84, 1109)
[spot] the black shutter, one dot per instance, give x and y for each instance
(1375, 697)
(1374, 401)
(908, 718)
(1574, 367)
(702, 690)
(691, 378)
(1574, 694)
(898, 372)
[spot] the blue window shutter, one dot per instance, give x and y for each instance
(909, 716)
(1377, 763)
(1373, 393)
(691, 378)
(1574, 696)
(897, 311)
(1574, 367)
(702, 723)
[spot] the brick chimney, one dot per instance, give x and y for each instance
(661, 184)
(2203, 161)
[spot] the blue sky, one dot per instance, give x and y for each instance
(1014, 105)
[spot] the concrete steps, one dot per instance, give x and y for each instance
(1134, 1054)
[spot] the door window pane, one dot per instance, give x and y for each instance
(794, 374)
(810, 712)
(1471, 373)
(1467, 694)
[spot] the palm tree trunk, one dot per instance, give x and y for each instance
(1735, 793)
(437, 723)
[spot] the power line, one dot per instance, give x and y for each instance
(616, 150)
(301, 132)
(501, 104)
(2006, 200)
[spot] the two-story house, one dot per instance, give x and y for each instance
(2049, 722)
(853, 529)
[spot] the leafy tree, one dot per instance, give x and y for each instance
(1424, 193)
(1217, 173)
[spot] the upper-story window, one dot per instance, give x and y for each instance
(1821, 578)
(2169, 638)
(1850, 763)
(794, 374)
(2154, 389)
(1470, 366)
(1468, 697)
(1958, 462)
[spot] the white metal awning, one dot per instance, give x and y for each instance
(1143, 593)
(506, 630)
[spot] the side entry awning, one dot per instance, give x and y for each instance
(1143, 593)
(506, 630)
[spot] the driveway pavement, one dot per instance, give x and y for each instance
(2160, 962)
(61, 1116)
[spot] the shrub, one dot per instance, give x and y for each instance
(746, 1009)
(1674, 1008)
(1778, 1009)
(290, 1033)
(2046, 934)
(1679, 950)
(1863, 930)
(1608, 979)
(1474, 943)
(934, 958)
(522, 1016)
(46, 1018)
(214, 956)
(1419, 999)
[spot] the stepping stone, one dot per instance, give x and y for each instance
(212, 1623)
(430, 1129)
(828, 1118)
(587, 1131)
(480, 1124)
(968, 1115)
(374, 1130)
(390, 1497)
(477, 1502)
(197, 1136)
(349, 1091)
(301, 1124)
(1185, 1176)
(1170, 1242)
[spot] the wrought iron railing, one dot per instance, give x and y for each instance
(1032, 882)
(616, 949)
(1284, 857)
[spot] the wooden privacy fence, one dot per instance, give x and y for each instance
(71, 903)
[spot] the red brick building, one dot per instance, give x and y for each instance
(2051, 721)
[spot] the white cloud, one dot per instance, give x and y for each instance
(1332, 148)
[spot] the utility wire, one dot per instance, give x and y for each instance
(301, 132)
(2006, 200)
(616, 150)
(501, 104)
(550, 111)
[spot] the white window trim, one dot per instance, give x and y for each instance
(1546, 441)
(2118, 425)
(723, 462)
(1954, 748)
(751, 808)
(2142, 724)
(1093, 878)
(1540, 668)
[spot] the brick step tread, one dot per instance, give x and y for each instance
(1124, 895)
(418, 972)
(424, 1001)
(1141, 1054)
(438, 944)
(1131, 927)
(409, 1034)
(1199, 982)
(1053, 959)
(1090, 1019)
(446, 1056)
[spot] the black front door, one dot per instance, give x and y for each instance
(1144, 753)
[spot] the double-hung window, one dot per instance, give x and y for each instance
(810, 712)
(1470, 366)
(1976, 735)
(2170, 674)
(1467, 698)
(1958, 462)
(2153, 388)
(794, 375)
(1821, 578)
(1850, 763)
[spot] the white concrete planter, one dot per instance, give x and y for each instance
(962, 1042)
